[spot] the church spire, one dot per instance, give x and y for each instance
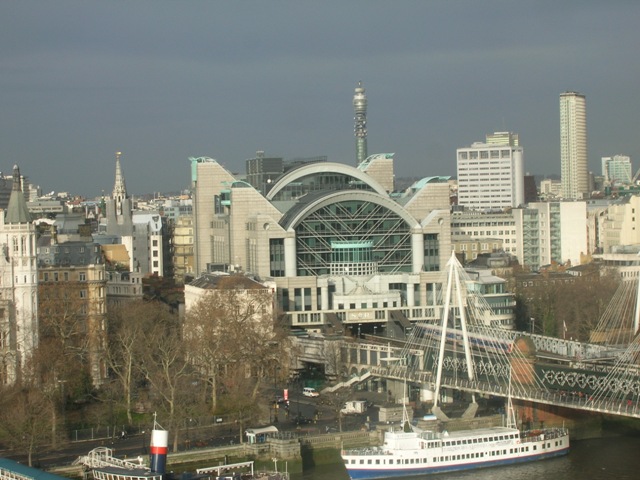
(17, 211)
(119, 188)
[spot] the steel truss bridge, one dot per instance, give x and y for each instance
(464, 352)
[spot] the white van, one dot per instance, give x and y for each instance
(310, 392)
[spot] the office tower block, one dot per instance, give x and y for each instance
(262, 171)
(491, 174)
(573, 146)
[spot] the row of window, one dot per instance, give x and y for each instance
(450, 458)
(485, 233)
(55, 276)
(484, 154)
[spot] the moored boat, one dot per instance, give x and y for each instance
(418, 453)
(100, 464)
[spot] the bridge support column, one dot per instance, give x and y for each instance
(324, 300)
(426, 395)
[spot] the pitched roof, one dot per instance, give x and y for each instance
(17, 211)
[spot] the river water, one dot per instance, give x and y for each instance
(598, 459)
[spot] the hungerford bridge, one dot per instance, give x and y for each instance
(463, 353)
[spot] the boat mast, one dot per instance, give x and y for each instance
(511, 414)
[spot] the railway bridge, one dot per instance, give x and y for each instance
(464, 352)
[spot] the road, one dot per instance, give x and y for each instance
(209, 436)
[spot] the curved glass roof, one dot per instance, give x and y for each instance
(325, 176)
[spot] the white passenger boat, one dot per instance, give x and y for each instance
(418, 453)
(410, 451)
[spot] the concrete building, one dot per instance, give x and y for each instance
(536, 235)
(123, 287)
(550, 189)
(573, 146)
(340, 249)
(551, 232)
(470, 227)
(71, 274)
(262, 171)
(183, 258)
(491, 174)
(19, 285)
(617, 170)
(468, 248)
(620, 224)
(494, 290)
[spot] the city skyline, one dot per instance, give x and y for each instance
(162, 81)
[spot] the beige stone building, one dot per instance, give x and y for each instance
(183, 256)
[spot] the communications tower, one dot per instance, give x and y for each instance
(360, 127)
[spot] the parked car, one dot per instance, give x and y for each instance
(310, 392)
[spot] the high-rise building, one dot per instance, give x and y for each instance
(573, 146)
(491, 174)
(262, 171)
(616, 170)
(360, 127)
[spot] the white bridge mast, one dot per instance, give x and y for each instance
(453, 282)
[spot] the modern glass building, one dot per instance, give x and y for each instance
(341, 249)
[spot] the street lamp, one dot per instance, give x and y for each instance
(63, 403)
(275, 392)
(359, 327)
(533, 324)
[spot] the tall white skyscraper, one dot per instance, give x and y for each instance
(491, 174)
(573, 146)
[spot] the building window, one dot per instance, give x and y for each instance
(82, 276)
(83, 294)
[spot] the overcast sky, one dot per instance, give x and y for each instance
(165, 80)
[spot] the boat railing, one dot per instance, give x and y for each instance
(366, 451)
(103, 457)
(543, 434)
(429, 435)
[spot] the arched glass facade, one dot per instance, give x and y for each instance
(356, 237)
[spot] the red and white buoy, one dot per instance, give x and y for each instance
(159, 442)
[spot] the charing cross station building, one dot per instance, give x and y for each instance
(343, 250)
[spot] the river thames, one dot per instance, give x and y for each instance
(599, 459)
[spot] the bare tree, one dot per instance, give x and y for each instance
(235, 326)
(23, 419)
(126, 332)
(238, 399)
(165, 368)
(60, 364)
